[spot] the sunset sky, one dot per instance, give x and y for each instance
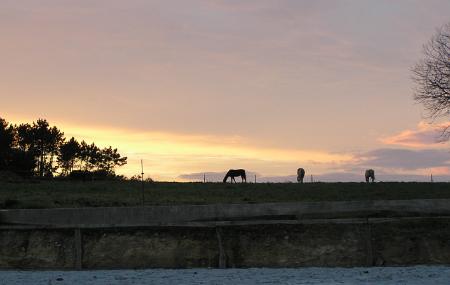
(195, 87)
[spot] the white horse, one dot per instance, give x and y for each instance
(370, 174)
(300, 175)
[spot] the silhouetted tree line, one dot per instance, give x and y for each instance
(40, 150)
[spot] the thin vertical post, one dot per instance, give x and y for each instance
(255, 178)
(142, 180)
(431, 177)
(204, 177)
(78, 249)
(222, 254)
(312, 180)
(369, 247)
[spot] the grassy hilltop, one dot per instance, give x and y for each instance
(59, 194)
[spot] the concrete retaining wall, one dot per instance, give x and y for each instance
(142, 216)
(390, 243)
(359, 233)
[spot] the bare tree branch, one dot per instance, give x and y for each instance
(432, 77)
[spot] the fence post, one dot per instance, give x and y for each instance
(142, 179)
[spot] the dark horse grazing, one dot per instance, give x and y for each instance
(234, 173)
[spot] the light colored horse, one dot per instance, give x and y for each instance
(370, 174)
(234, 173)
(300, 175)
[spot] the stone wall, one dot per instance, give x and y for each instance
(280, 244)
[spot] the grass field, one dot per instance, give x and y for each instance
(59, 194)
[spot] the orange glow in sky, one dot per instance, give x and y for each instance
(168, 155)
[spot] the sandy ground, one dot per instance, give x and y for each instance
(376, 275)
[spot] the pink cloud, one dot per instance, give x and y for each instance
(440, 170)
(426, 135)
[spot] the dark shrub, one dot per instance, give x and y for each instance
(82, 175)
